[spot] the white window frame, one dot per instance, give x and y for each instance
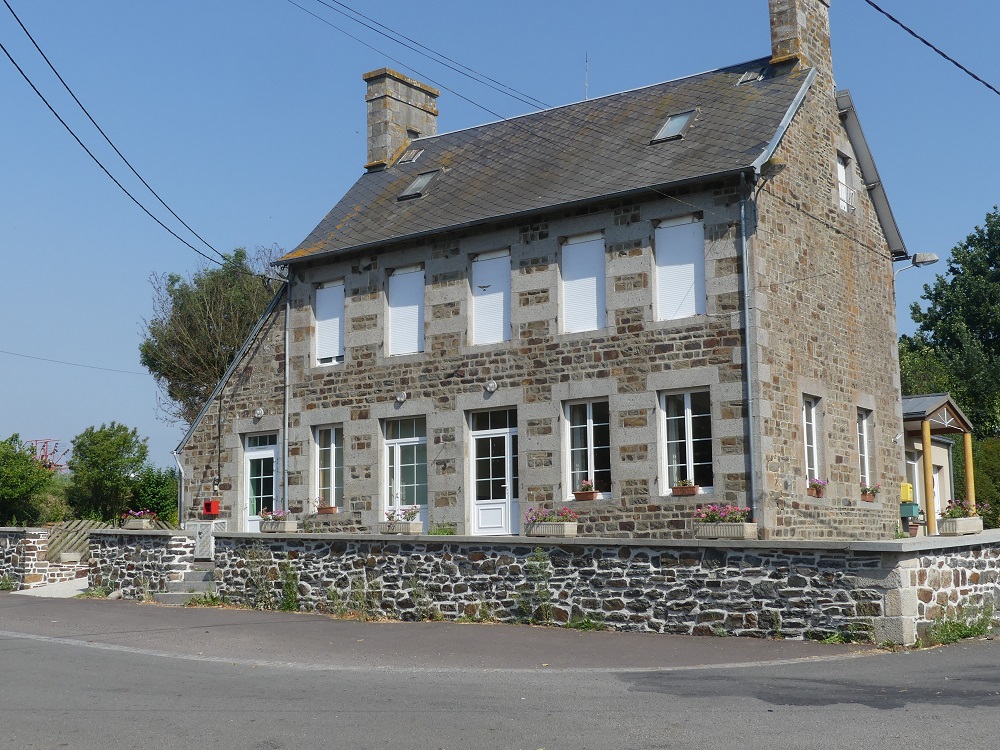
(811, 431)
(687, 232)
(392, 466)
(484, 326)
(666, 468)
(329, 329)
(576, 289)
(865, 440)
(848, 196)
(399, 312)
(572, 481)
(915, 473)
(335, 491)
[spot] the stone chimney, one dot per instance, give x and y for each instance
(800, 31)
(399, 110)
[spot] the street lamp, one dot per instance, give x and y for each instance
(918, 260)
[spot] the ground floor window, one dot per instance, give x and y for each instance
(589, 445)
(406, 462)
(688, 438)
(866, 442)
(261, 464)
(330, 469)
(810, 425)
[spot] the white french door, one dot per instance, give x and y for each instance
(260, 469)
(495, 508)
(405, 477)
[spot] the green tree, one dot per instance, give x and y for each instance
(156, 490)
(22, 478)
(959, 331)
(198, 326)
(105, 463)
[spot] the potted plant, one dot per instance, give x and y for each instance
(548, 522)
(816, 487)
(402, 521)
(587, 491)
(276, 522)
(325, 506)
(869, 491)
(724, 522)
(685, 488)
(959, 518)
(138, 519)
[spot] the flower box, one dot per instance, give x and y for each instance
(211, 508)
(868, 497)
(725, 530)
(687, 491)
(325, 510)
(278, 525)
(551, 528)
(816, 491)
(401, 527)
(134, 524)
(960, 526)
(581, 495)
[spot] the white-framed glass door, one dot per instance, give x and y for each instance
(495, 504)
(261, 472)
(405, 478)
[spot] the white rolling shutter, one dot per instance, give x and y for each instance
(583, 279)
(491, 299)
(680, 270)
(406, 311)
(330, 323)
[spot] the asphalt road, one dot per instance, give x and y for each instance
(99, 674)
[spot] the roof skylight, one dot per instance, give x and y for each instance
(416, 188)
(675, 126)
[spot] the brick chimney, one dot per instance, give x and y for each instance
(399, 110)
(800, 31)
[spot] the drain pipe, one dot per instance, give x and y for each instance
(748, 349)
(180, 489)
(284, 409)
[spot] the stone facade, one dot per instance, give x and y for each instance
(139, 563)
(23, 559)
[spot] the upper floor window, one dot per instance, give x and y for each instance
(810, 423)
(329, 312)
(330, 464)
(491, 297)
(583, 283)
(675, 126)
(688, 437)
(680, 268)
(589, 445)
(866, 442)
(848, 195)
(406, 311)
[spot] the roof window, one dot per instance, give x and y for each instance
(675, 126)
(410, 156)
(416, 188)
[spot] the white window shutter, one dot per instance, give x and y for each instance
(583, 277)
(491, 300)
(680, 270)
(406, 312)
(330, 322)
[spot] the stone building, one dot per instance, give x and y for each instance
(688, 281)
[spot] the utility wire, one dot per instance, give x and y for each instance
(943, 54)
(443, 59)
(72, 364)
(101, 131)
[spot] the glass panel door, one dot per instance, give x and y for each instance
(494, 473)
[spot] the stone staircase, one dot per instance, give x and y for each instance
(197, 582)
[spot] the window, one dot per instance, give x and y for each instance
(406, 311)
(418, 186)
(491, 298)
(406, 462)
(589, 445)
(848, 195)
(810, 423)
(680, 268)
(688, 437)
(914, 472)
(583, 279)
(330, 464)
(262, 441)
(675, 126)
(866, 442)
(261, 473)
(329, 313)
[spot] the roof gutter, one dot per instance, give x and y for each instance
(793, 108)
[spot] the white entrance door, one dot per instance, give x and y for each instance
(406, 465)
(495, 508)
(260, 470)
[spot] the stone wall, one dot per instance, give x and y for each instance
(23, 559)
(12, 551)
(139, 562)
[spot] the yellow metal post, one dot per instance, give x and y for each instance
(930, 512)
(970, 477)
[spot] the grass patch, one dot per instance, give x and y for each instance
(974, 622)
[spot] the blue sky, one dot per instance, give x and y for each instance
(248, 118)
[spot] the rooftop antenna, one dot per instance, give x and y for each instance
(586, 75)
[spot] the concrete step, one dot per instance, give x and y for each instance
(199, 575)
(176, 599)
(192, 587)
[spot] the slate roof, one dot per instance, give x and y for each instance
(580, 152)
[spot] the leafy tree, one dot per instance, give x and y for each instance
(156, 489)
(199, 325)
(959, 331)
(105, 463)
(22, 478)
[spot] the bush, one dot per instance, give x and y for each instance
(156, 490)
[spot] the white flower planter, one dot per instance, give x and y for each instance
(725, 530)
(960, 526)
(278, 526)
(551, 528)
(135, 524)
(401, 527)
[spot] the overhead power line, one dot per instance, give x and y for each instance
(72, 364)
(943, 54)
